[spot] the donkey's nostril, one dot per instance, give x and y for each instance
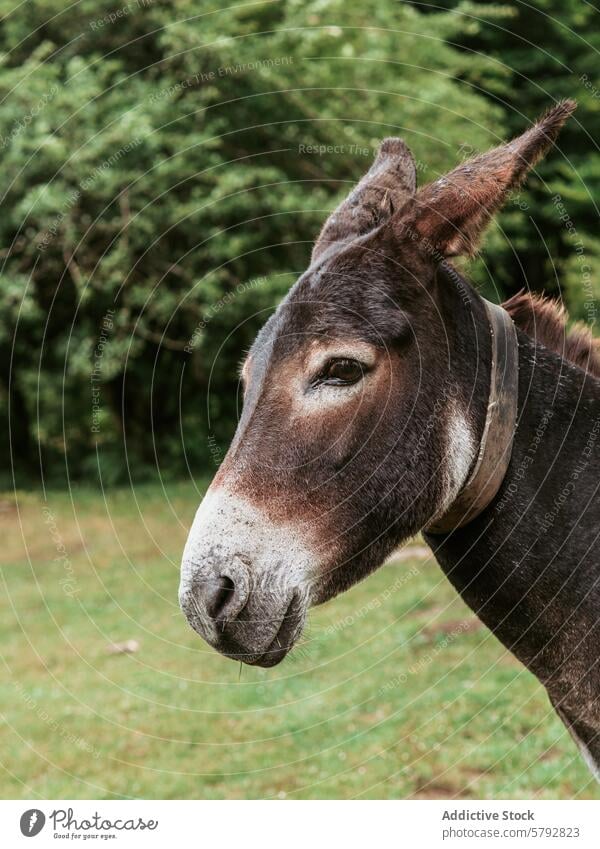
(213, 594)
(220, 594)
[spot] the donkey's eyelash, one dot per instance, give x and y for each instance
(340, 371)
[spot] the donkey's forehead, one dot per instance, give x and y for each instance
(311, 316)
(349, 293)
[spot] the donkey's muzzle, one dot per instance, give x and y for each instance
(253, 624)
(245, 584)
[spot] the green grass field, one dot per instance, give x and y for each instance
(397, 691)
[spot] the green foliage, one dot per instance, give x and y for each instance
(162, 192)
(166, 167)
(541, 52)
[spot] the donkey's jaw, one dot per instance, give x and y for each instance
(245, 580)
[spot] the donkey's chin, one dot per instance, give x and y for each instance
(283, 642)
(283, 639)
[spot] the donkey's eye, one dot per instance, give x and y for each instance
(341, 372)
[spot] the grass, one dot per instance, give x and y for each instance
(397, 692)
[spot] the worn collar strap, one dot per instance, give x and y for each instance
(498, 433)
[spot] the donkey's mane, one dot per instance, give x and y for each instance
(545, 320)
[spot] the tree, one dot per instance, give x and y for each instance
(166, 167)
(547, 239)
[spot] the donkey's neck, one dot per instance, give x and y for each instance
(529, 564)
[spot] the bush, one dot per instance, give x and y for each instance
(166, 168)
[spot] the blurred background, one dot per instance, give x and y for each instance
(165, 169)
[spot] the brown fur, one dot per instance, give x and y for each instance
(545, 320)
(453, 211)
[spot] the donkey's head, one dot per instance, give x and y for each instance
(364, 402)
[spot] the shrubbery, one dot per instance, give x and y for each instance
(165, 169)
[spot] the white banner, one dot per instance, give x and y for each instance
(298, 825)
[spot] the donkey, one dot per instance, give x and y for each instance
(385, 398)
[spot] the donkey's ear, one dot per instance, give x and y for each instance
(451, 213)
(389, 183)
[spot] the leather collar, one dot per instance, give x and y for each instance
(496, 444)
